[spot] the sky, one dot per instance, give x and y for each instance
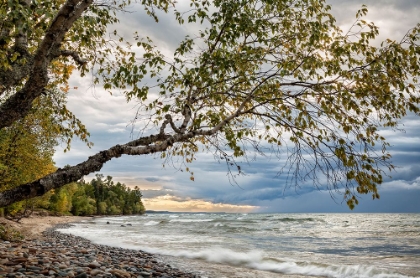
(108, 118)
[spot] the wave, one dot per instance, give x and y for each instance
(288, 219)
(215, 255)
(348, 271)
(242, 220)
(190, 220)
(256, 260)
(151, 223)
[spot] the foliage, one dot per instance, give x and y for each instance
(27, 147)
(9, 233)
(262, 75)
(98, 197)
(30, 140)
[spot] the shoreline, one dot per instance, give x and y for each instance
(33, 226)
(45, 252)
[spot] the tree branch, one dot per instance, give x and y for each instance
(16, 74)
(18, 105)
(72, 54)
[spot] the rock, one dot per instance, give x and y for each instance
(120, 273)
(145, 274)
(95, 272)
(62, 274)
(11, 263)
(62, 266)
(34, 268)
(94, 264)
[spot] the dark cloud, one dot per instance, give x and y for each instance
(148, 193)
(394, 18)
(152, 179)
(409, 173)
(322, 202)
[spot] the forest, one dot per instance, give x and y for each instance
(100, 196)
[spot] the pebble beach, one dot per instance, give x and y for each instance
(53, 254)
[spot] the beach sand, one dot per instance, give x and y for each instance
(33, 226)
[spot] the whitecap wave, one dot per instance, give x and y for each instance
(190, 220)
(348, 271)
(255, 259)
(151, 223)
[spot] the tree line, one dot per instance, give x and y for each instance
(100, 196)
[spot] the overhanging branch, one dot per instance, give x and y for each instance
(141, 146)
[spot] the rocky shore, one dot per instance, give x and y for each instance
(59, 255)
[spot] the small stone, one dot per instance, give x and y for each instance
(10, 263)
(94, 264)
(34, 268)
(95, 272)
(120, 273)
(145, 274)
(62, 266)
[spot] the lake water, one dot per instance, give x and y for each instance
(269, 245)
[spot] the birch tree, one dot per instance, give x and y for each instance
(259, 75)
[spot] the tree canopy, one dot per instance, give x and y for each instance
(258, 75)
